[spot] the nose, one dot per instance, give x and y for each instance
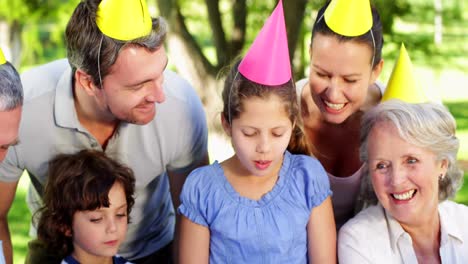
(398, 175)
(157, 93)
(333, 88)
(263, 146)
(111, 226)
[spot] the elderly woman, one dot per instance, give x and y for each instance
(410, 152)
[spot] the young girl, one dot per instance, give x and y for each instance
(262, 205)
(87, 200)
(344, 67)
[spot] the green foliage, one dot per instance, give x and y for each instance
(388, 10)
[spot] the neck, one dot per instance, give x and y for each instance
(86, 258)
(426, 238)
(98, 121)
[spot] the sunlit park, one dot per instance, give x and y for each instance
(205, 36)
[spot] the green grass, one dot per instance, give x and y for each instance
(19, 218)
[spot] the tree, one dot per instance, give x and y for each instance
(35, 22)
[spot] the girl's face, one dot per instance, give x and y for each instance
(340, 75)
(97, 234)
(404, 176)
(260, 135)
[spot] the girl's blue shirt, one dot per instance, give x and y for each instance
(272, 229)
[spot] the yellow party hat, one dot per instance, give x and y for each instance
(402, 83)
(349, 17)
(2, 57)
(124, 19)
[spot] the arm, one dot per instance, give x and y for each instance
(7, 194)
(194, 244)
(176, 181)
(321, 234)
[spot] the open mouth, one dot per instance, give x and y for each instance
(332, 106)
(404, 196)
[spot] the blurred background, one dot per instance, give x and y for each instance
(206, 35)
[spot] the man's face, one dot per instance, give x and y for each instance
(9, 127)
(134, 85)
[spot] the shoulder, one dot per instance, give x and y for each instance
(182, 104)
(307, 167)
(454, 211)
(178, 88)
(120, 260)
(367, 224)
(309, 177)
(300, 87)
(38, 80)
(202, 178)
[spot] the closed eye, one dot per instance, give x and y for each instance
(350, 80)
(95, 220)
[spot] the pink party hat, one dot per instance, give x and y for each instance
(267, 61)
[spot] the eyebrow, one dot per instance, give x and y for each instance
(347, 75)
(14, 143)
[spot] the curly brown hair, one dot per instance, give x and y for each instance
(78, 182)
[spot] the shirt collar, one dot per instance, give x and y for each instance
(395, 230)
(449, 227)
(64, 104)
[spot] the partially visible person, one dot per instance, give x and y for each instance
(11, 102)
(114, 95)
(410, 150)
(87, 201)
(345, 62)
(263, 204)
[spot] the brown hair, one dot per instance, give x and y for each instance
(78, 182)
(237, 88)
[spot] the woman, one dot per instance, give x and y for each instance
(410, 152)
(341, 84)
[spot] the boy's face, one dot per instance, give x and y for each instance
(98, 233)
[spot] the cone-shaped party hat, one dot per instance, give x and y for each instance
(2, 57)
(124, 19)
(267, 61)
(349, 17)
(402, 83)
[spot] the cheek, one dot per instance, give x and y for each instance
(317, 85)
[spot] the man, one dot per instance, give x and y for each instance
(11, 101)
(116, 97)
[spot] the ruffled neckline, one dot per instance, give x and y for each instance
(265, 199)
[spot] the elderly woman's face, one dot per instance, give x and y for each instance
(404, 176)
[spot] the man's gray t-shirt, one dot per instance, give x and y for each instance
(176, 140)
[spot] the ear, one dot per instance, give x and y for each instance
(226, 125)
(444, 163)
(66, 230)
(376, 71)
(85, 82)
